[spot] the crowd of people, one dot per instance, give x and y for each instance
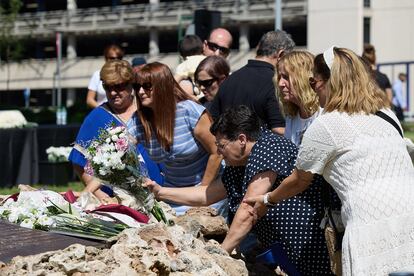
(261, 144)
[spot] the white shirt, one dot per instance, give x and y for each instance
(366, 161)
(95, 84)
(296, 126)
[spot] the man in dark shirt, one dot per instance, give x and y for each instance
(252, 85)
(382, 80)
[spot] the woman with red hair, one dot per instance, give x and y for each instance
(175, 130)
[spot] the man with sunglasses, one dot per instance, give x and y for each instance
(252, 85)
(218, 43)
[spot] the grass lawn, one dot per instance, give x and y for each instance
(409, 130)
(409, 134)
(74, 186)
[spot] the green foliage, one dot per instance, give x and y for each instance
(75, 186)
(11, 47)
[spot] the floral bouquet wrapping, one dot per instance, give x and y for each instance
(113, 160)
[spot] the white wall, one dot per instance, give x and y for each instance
(335, 22)
(392, 29)
(392, 34)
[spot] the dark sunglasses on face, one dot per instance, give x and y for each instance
(205, 83)
(115, 87)
(214, 47)
(147, 86)
(113, 58)
(313, 82)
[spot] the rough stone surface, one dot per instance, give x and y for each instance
(154, 249)
(203, 220)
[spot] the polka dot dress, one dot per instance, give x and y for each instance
(293, 222)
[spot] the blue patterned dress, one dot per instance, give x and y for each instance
(293, 222)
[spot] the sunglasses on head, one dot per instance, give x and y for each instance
(147, 86)
(115, 87)
(214, 47)
(205, 83)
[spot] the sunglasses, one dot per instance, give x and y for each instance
(115, 87)
(113, 58)
(313, 82)
(147, 86)
(205, 83)
(214, 47)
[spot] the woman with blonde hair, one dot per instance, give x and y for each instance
(174, 129)
(364, 158)
(297, 100)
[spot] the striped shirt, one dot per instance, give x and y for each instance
(185, 163)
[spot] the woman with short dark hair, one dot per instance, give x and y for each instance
(256, 161)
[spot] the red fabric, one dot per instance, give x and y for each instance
(69, 196)
(13, 196)
(117, 208)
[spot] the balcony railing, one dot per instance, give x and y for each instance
(143, 16)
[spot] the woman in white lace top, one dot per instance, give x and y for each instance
(366, 161)
(297, 100)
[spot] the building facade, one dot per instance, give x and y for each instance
(151, 28)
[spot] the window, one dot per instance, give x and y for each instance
(367, 3)
(367, 30)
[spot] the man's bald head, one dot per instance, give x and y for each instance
(218, 43)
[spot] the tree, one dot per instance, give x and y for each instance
(11, 48)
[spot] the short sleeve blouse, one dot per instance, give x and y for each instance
(186, 161)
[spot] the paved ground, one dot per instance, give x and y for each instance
(16, 240)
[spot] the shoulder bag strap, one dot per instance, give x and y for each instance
(389, 120)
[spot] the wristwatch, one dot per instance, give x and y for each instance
(266, 200)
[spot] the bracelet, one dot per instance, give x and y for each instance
(266, 200)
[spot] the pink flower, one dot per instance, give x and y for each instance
(88, 169)
(121, 144)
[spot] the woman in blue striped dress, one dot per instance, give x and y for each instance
(175, 130)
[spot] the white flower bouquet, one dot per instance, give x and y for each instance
(49, 211)
(113, 160)
(58, 154)
(12, 119)
(33, 209)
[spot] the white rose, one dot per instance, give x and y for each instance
(14, 216)
(27, 223)
(102, 172)
(114, 138)
(45, 221)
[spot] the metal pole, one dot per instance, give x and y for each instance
(58, 64)
(278, 14)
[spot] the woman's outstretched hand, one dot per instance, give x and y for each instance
(153, 186)
(260, 208)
